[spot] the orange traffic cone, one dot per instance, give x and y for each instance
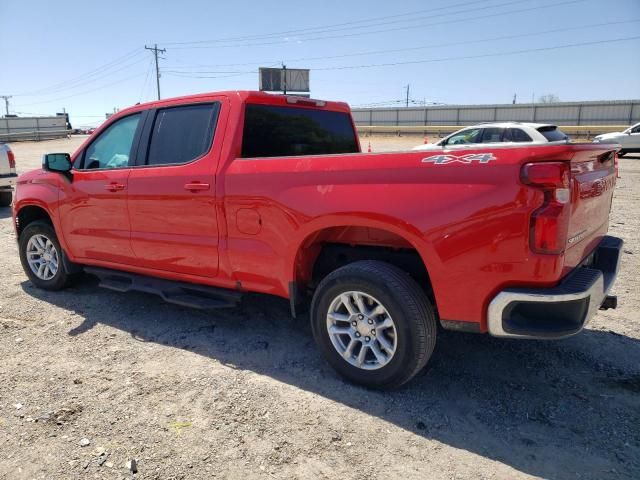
(369, 149)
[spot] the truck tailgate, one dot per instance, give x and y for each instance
(593, 181)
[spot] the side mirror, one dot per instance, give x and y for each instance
(57, 162)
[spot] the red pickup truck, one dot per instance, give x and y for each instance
(200, 199)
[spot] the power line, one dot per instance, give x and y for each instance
(468, 57)
(85, 92)
(146, 78)
(446, 59)
(233, 74)
(403, 28)
(89, 81)
(345, 25)
(155, 51)
(238, 74)
(91, 73)
(217, 71)
(396, 50)
(391, 103)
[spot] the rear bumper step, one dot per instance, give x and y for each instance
(180, 293)
(561, 311)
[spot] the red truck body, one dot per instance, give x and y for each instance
(260, 224)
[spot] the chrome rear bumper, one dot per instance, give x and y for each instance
(560, 311)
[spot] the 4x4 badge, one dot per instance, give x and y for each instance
(468, 158)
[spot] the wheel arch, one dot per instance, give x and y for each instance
(26, 214)
(382, 239)
(29, 213)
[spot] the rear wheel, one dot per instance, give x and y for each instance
(5, 198)
(41, 256)
(373, 324)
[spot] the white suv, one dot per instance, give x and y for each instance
(499, 133)
(629, 140)
(7, 174)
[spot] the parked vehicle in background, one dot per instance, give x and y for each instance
(500, 133)
(629, 139)
(7, 174)
(201, 199)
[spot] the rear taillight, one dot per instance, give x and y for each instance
(549, 223)
(12, 159)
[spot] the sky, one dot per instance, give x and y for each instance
(88, 57)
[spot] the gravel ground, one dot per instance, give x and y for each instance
(90, 380)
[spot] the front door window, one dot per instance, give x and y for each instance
(112, 148)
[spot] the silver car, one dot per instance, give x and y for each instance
(629, 139)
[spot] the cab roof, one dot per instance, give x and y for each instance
(246, 96)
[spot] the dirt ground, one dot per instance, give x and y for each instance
(91, 379)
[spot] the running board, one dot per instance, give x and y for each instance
(180, 293)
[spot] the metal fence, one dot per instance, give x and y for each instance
(32, 128)
(602, 113)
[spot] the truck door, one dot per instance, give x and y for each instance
(93, 206)
(172, 195)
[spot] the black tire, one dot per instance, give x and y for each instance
(621, 153)
(5, 199)
(61, 279)
(407, 304)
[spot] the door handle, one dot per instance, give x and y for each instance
(114, 186)
(196, 186)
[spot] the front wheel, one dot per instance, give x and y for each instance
(373, 324)
(41, 256)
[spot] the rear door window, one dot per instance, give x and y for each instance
(182, 134)
(516, 135)
(553, 134)
(277, 131)
(492, 135)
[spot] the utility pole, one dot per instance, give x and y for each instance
(533, 107)
(515, 96)
(407, 101)
(155, 51)
(6, 102)
(284, 78)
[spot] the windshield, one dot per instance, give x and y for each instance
(633, 129)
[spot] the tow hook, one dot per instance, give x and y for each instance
(610, 301)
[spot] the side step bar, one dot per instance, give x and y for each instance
(180, 293)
